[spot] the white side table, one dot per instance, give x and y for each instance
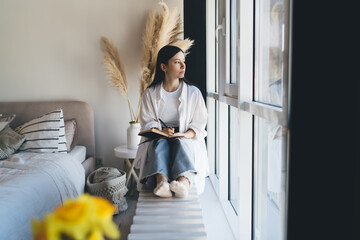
(128, 155)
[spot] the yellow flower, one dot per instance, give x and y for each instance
(96, 235)
(86, 217)
(104, 212)
(71, 219)
(38, 230)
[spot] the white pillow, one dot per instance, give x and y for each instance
(44, 134)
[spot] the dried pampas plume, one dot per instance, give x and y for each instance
(117, 79)
(185, 45)
(161, 29)
(116, 70)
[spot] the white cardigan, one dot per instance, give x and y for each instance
(192, 114)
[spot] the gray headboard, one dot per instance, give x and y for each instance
(81, 111)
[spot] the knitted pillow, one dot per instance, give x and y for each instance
(10, 141)
(5, 120)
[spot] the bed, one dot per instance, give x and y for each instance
(32, 184)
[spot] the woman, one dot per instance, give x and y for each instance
(177, 108)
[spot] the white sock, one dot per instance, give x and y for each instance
(180, 189)
(163, 190)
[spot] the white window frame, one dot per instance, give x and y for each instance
(275, 114)
(246, 16)
(226, 95)
(231, 87)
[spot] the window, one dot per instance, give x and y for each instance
(222, 88)
(269, 49)
(233, 158)
(248, 112)
(269, 180)
(270, 120)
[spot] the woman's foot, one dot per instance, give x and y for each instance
(163, 190)
(180, 187)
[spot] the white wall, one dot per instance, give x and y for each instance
(50, 50)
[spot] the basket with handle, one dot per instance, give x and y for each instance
(109, 183)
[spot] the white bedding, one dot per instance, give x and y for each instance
(32, 184)
(79, 153)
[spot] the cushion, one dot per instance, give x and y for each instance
(62, 138)
(5, 120)
(10, 141)
(71, 134)
(45, 133)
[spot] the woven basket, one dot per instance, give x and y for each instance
(113, 190)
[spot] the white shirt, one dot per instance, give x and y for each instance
(170, 115)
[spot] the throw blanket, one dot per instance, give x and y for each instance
(33, 184)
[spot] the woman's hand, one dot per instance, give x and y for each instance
(168, 131)
(188, 134)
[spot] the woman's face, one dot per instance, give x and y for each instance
(175, 68)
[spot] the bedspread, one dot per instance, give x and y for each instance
(33, 184)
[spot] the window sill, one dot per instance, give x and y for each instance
(216, 224)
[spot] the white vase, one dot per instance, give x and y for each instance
(133, 139)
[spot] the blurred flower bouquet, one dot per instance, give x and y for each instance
(161, 29)
(87, 217)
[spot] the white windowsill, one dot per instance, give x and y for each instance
(216, 224)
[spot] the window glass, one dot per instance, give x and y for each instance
(234, 42)
(216, 140)
(269, 180)
(234, 158)
(269, 51)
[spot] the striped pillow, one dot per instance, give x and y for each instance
(44, 134)
(62, 138)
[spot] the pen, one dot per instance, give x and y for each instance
(163, 123)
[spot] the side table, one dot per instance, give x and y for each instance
(128, 155)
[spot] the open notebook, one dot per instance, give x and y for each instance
(153, 133)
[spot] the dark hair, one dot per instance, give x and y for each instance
(164, 55)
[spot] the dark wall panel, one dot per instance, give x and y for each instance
(195, 29)
(322, 166)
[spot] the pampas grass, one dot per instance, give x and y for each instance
(162, 28)
(185, 45)
(116, 70)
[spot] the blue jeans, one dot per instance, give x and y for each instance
(170, 157)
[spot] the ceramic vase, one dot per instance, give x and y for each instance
(133, 139)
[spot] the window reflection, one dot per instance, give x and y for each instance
(269, 180)
(269, 50)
